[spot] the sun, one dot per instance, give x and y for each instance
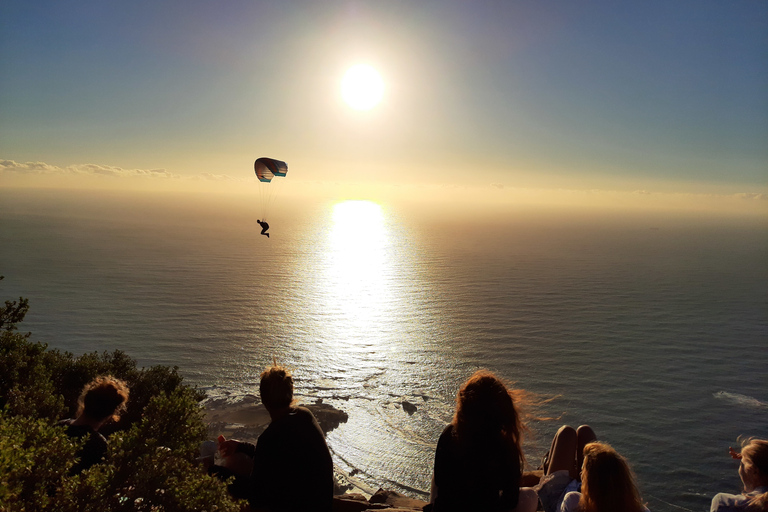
(362, 87)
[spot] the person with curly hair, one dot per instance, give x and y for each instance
(479, 456)
(102, 400)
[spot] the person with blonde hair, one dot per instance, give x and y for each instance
(479, 456)
(292, 466)
(753, 470)
(576, 461)
(102, 400)
(607, 483)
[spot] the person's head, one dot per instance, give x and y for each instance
(485, 407)
(103, 398)
(276, 388)
(753, 469)
(607, 481)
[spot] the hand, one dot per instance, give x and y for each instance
(733, 453)
(227, 447)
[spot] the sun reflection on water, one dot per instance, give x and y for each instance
(369, 330)
(358, 267)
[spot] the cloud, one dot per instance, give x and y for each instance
(28, 168)
(215, 177)
(497, 185)
(41, 168)
(642, 192)
(118, 172)
(752, 196)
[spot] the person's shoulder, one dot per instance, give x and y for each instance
(446, 436)
(300, 417)
(300, 409)
(300, 412)
(76, 430)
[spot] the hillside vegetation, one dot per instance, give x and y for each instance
(150, 464)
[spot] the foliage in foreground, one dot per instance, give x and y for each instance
(150, 464)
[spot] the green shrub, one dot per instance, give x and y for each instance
(35, 458)
(151, 459)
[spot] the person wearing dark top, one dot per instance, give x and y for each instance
(102, 400)
(264, 226)
(292, 466)
(479, 458)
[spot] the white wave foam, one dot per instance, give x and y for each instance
(738, 399)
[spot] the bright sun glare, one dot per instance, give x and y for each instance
(358, 262)
(358, 221)
(357, 273)
(358, 239)
(362, 87)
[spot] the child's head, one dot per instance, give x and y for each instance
(607, 482)
(276, 387)
(103, 398)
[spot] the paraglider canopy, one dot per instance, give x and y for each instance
(268, 168)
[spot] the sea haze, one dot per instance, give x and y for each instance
(652, 328)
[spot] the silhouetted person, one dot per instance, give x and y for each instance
(292, 467)
(103, 399)
(264, 227)
(479, 458)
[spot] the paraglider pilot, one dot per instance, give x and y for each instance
(264, 227)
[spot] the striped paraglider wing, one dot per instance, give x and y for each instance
(268, 168)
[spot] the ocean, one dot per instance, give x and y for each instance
(650, 327)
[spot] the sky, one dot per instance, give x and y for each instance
(654, 97)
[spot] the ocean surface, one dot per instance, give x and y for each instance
(652, 328)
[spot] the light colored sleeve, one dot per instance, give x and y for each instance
(715, 503)
(724, 502)
(570, 502)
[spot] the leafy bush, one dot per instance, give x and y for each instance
(151, 459)
(34, 459)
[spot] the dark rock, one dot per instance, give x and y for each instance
(327, 416)
(409, 407)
